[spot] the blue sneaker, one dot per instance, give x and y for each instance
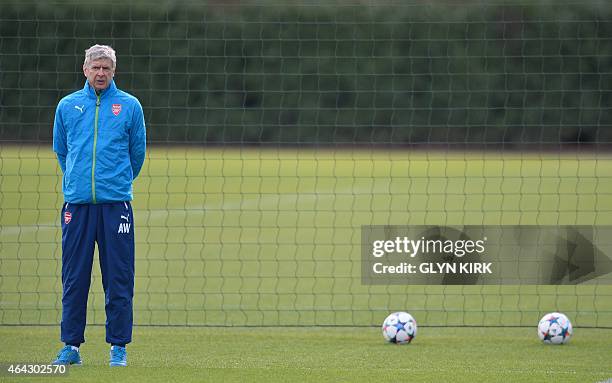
(118, 356)
(68, 355)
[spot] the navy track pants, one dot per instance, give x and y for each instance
(111, 226)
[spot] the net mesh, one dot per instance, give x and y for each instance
(276, 131)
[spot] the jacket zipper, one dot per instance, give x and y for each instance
(93, 166)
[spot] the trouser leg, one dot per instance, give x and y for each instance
(78, 239)
(116, 245)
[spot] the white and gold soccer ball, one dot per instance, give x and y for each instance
(400, 328)
(555, 328)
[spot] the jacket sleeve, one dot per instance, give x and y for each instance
(138, 139)
(59, 138)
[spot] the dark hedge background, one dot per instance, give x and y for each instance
(462, 73)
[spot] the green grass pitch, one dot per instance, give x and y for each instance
(325, 355)
(262, 239)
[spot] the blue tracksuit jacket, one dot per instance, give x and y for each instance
(100, 144)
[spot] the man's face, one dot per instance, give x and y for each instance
(99, 73)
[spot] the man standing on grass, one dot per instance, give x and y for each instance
(99, 139)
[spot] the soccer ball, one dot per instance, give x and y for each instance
(555, 328)
(400, 328)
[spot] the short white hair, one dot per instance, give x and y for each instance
(97, 52)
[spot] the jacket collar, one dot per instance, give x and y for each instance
(91, 92)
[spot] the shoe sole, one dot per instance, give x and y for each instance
(80, 363)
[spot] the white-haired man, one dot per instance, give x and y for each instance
(99, 139)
